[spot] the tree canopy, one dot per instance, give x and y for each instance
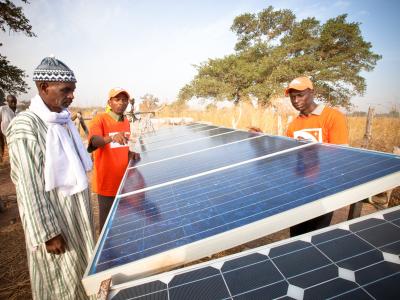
(149, 102)
(13, 19)
(273, 48)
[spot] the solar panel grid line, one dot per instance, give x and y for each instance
(240, 235)
(119, 287)
(276, 174)
(197, 151)
(226, 285)
(216, 170)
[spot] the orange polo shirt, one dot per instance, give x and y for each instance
(110, 161)
(324, 124)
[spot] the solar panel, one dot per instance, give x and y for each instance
(353, 260)
(206, 160)
(173, 130)
(157, 142)
(184, 147)
(153, 227)
(177, 131)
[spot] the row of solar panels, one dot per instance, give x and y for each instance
(201, 189)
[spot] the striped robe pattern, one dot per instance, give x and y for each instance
(45, 215)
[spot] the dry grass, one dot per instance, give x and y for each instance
(385, 130)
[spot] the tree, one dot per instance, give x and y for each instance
(273, 48)
(13, 19)
(149, 102)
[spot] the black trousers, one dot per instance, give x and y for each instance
(105, 203)
(2, 145)
(310, 225)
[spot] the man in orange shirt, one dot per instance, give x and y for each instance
(108, 138)
(318, 123)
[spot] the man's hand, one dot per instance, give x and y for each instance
(120, 138)
(133, 155)
(56, 245)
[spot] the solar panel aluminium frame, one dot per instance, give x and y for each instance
(167, 276)
(172, 258)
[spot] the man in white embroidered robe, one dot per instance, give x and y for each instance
(48, 167)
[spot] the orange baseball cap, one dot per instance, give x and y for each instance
(116, 91)
(300, 84)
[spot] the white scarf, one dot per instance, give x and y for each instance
(66, 160)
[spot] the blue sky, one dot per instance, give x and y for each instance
(151, 46)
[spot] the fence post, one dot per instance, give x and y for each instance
(280, 127)
(368, 128)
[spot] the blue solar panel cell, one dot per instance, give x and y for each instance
(212, 288)
(330, 289)
(361, 260)
(157, 290)
(303, 261)
(252, 276)
(273, 291)
(336, 250)
(387, 288)
(392, 248)
(314, 277)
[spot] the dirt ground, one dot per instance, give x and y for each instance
(14, 277)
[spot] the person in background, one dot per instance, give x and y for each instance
(48, 167)
(7, 113)
(108, 140)
(317, 123)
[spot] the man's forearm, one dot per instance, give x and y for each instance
(97, 142)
